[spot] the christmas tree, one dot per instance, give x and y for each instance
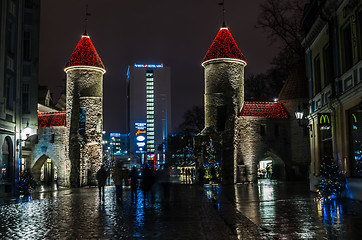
(333, 181)
(26, 183)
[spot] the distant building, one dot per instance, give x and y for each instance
(148, 112)
(333, 49)
(19, 58)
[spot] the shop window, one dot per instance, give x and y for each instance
(356, 140)
(6, 167)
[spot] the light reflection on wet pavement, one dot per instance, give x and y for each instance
(290, 211)
(268, 210)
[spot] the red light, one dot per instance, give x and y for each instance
(224, 46)
(51, 119)
(264, 109)
(85, 54)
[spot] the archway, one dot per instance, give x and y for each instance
(45, 171)
(271, 167)
(7, 163)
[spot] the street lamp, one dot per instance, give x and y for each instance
(299, 115)
(24, 136)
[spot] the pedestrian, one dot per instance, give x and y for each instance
(117, 179)
(133, 175)
(164, 179)
(148, 179)
(101, 176)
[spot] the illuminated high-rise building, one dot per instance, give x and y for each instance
(148, 112)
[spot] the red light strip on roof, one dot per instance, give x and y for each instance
(264, 109)
(85, 54)
(224, 46)
(51, 119)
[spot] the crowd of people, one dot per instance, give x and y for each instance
(150, 181)
(146, 181)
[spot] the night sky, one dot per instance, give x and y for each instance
(175, 33)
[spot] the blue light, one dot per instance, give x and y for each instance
(137, 65)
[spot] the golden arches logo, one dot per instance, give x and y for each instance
(324, 118)
(354, 117)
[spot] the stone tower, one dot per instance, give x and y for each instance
(84, 107)
(224, 96)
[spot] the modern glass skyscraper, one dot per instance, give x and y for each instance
(148, 112)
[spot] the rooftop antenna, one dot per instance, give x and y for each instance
(223, 13)
(86, 19)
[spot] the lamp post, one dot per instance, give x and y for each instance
(299, 115)
(24, 136)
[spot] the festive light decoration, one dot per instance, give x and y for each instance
(51, 119)
(26, 183)
(264, 109)
(85, 54)
(224, 46)
(333, 181)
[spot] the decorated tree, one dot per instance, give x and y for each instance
(26, 183)
(333, 181)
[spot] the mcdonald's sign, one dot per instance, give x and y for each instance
(355, 121)
(324, 121)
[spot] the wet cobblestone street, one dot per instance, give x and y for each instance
(268, 210)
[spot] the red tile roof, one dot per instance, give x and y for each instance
(264, 109)
(224, 46)
(85, 54)
(51, 119)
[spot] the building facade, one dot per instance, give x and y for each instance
(148, 112)
(333, 44)
(245, 136)
(19, 58)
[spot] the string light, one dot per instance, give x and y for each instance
(264, 109)
(85, 54)
(224, 46)
(51, 119)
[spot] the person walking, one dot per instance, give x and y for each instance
(133, 175)
(101, 176)
(117, 179)
(148, 179)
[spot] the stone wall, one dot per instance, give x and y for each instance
(56, 151)
(224, 96)
(84, 93)
(251, 146)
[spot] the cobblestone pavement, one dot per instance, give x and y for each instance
(267, 210)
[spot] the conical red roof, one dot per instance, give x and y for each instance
(224, 46)
(85, 54)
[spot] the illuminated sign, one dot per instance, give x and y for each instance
(324, 121)
(140, 138)
(140, 126)
(114, 134)
(150, 156)
(354, 122)
(148, 65)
